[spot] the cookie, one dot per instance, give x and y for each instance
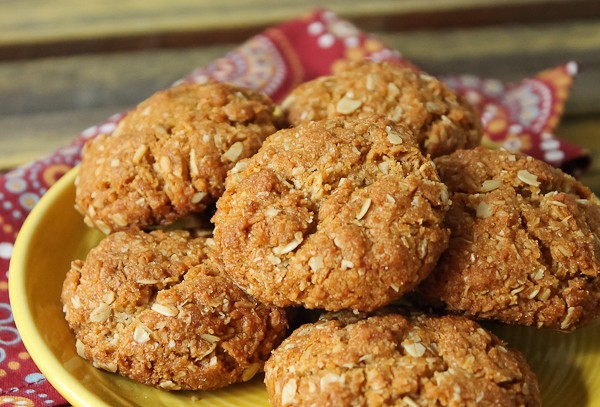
(442, 121)
(149, 306)
(389, 359)
(334, 214)
(169, 157)
(524, 247)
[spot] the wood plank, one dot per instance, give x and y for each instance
(32, 136)
(95, 81)
(507, 53)
(35, 28)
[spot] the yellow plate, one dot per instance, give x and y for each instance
(53, 235)
(567, 365)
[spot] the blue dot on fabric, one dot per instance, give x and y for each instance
(34, 378)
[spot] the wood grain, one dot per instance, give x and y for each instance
(31, 29)
(505, 52)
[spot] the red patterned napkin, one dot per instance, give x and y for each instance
(520, 117)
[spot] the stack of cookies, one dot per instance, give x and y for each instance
(362, 190)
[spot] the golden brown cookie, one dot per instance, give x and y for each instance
(340, 213)
(442, 121)
(388, 359)
(169, 157)
(524, 246)
(149, 306)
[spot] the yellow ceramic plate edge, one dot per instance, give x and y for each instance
(569, 358)
(69, 387)
(35, 316)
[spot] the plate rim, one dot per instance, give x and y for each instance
(68, 387)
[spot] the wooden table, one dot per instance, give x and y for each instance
(67, 64)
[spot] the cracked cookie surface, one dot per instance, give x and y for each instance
(149, 306)
(332, 214)
(169, 156)
(391, 359)
(524, 245)
(441, 121)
